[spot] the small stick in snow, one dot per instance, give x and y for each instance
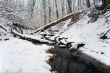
(105, 35)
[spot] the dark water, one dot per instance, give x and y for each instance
(64, 62)
(62, 65)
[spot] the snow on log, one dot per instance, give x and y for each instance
(33, 39)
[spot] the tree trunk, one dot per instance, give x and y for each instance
(69, 6)
(88, 3)
(56, 7)
(44, 10)
(105, 3)
(49, 7)
(31, 5)
(63, 8)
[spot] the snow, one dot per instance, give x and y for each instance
(20, 56)
(90, 33)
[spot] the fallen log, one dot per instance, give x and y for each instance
(72, 15)
(35, 40)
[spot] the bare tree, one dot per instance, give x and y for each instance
(49, 7)
(62, 8)
(56, 7)
(31, 4)
(69, 6)
(88, 3)
(44, 10)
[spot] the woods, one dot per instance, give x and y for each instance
(48, 10)
(54, 36)
(28, 13)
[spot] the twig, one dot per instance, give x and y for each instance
(104, 36)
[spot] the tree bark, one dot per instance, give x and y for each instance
(31, 5)
(49, 7)
(69, 6)
(88, 3)
(44, 10)
(56, 7)
(62, 8)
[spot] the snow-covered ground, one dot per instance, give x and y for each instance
(90, 33)
(20, 56)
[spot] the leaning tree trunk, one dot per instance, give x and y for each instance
(105, 3)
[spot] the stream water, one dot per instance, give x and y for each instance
(64, 62)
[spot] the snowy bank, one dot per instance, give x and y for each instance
(20, 56)
(90, 33)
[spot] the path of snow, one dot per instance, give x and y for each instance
(20, 56)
